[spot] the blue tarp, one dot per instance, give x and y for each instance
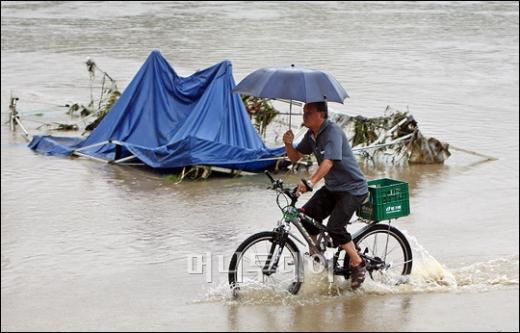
(168, 121)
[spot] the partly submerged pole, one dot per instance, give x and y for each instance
(26, 134)
(487, 157)
(14, 119)
(13, 114)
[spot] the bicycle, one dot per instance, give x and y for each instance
(262, 254)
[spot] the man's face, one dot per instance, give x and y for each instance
(311, 117)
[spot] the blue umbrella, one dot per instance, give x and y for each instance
(292, 83)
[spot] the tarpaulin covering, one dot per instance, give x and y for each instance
(168, 121)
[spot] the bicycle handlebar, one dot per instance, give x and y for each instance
(306, 185)
(270, 177)
(278, 184)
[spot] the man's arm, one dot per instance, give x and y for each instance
(292, 153)
(322, 171)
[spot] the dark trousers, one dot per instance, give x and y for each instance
(340, 206)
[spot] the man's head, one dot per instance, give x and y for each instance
(314, 114)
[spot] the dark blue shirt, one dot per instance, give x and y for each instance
(331, 143)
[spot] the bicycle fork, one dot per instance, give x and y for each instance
(273, 258)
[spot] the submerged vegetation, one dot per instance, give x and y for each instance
(395, 135)
(112, 97)
(261, 110)
(366, 129)
(100, 107)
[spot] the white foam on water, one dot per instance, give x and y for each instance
(492, 274)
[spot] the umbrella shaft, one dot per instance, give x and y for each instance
(290, 115)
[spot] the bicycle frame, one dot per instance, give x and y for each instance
(295, 216)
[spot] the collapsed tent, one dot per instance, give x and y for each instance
(167, 121)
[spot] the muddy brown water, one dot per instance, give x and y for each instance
(88, 246)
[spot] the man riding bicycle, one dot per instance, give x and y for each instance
(345, 185)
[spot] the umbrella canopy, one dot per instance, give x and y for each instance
(292, 83)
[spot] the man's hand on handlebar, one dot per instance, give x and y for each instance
(305, 186)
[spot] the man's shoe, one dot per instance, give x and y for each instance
(357, 276)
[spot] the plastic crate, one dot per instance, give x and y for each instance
(389, 199)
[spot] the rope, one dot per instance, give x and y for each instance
(35, 112)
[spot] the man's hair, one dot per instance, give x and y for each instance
(320, 107)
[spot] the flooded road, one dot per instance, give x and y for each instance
(89, 246)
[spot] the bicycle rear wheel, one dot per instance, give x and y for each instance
(260, 262)
(387, 254)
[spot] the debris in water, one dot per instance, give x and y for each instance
(396, 134)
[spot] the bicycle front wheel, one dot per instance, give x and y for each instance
(264, 261)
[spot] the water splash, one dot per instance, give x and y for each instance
(428, 275)
(492, 274)
(315, 289)
(427, 272)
